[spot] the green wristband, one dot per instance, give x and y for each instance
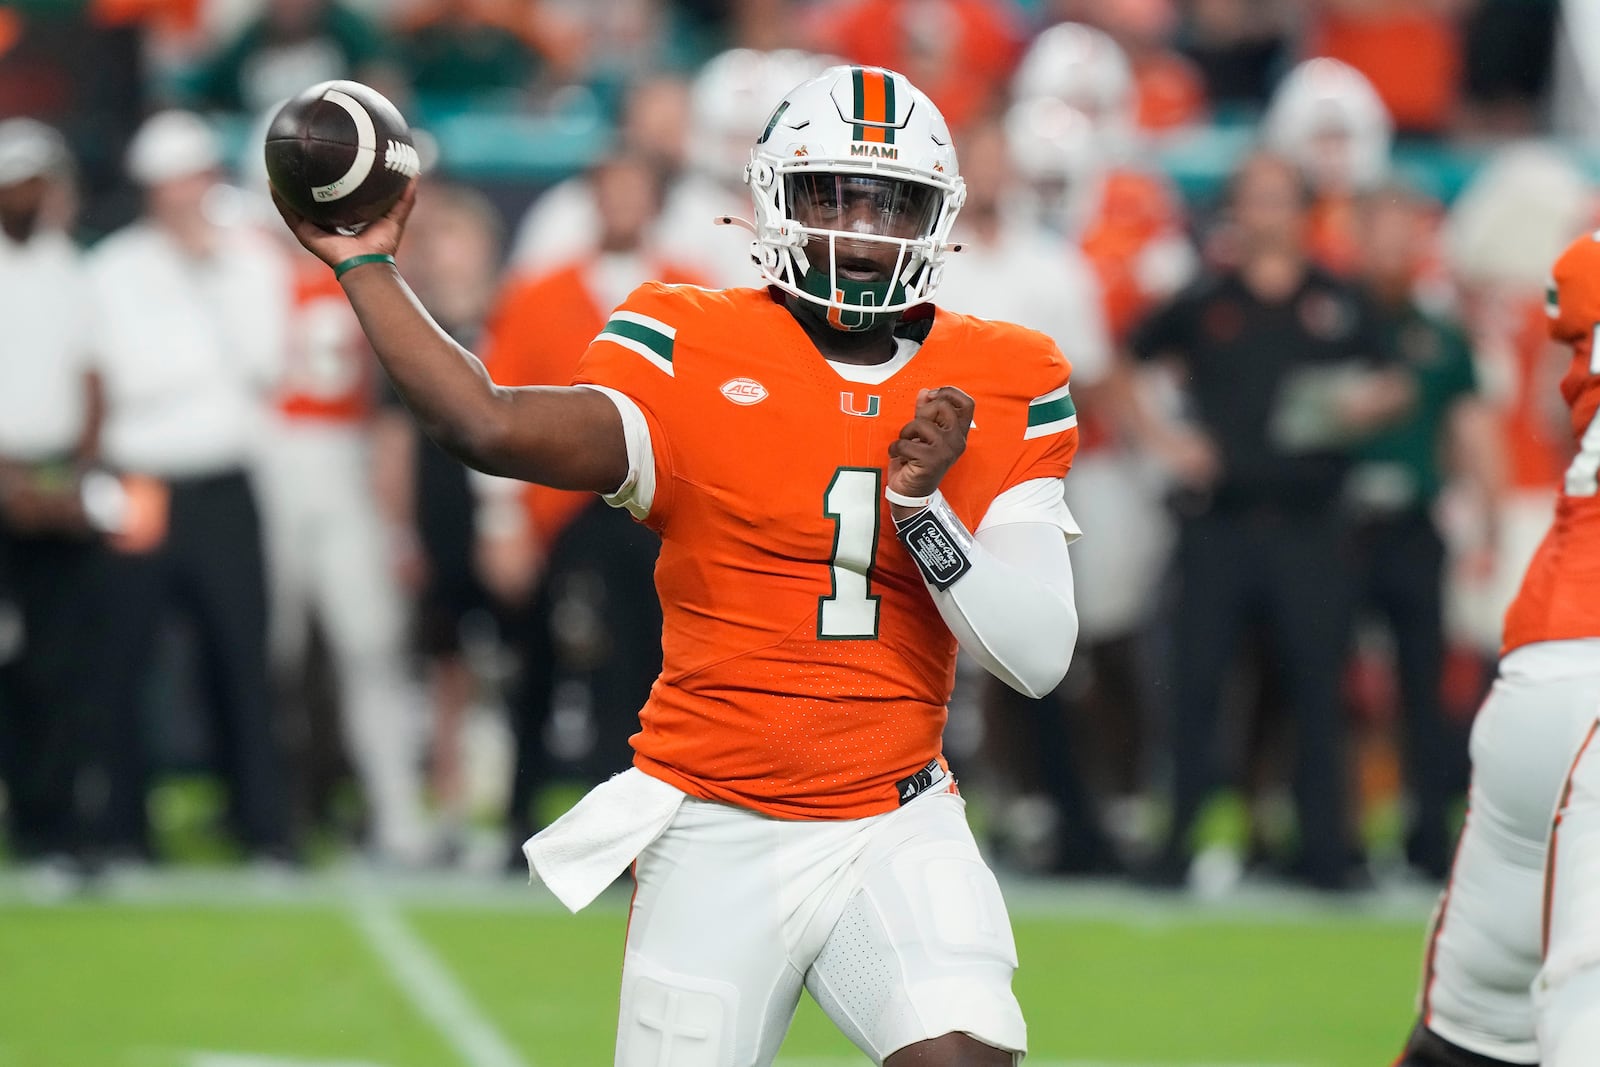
(355, 261)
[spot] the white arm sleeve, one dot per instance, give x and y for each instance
(1013, 611)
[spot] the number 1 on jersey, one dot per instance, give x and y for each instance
(850, 612)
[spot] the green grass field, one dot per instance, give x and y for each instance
(226, 970)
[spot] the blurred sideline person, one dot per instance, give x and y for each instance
(1070, 135)
(1502, 233)
(1284, 371)
(564, 221)
(51, 729)
(291, 44)
(1073, 136)
(574, 572)
(452, 259)
(1521, 889)
(1169, 92)
(336, 548)
(959, 51)
(1012, 268)
(730, 101)
(789, 818)
(189, 335)
(1326, 116)
(1395, 487)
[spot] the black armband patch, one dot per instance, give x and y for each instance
(938, 543)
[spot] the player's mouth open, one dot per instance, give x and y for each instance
(861, 269)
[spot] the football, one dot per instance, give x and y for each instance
(340, 154)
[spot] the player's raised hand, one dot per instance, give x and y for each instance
(381, 237)
(931, 442)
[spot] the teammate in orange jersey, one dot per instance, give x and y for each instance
(833, 524)
(1522, 869)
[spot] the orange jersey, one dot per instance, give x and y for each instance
(1170, 91)
(1537, 448)
(536, 336)
(330, 373)
(1135, 211)
(805, 667)
(1335, 242)
(1560, 594)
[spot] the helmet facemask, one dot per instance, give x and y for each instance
(864, 244)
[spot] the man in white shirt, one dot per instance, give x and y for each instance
(192, 313)
(50, 566)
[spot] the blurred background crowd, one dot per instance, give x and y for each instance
(1295, 250)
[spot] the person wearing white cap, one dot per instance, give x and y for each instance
(190, 338)
(49, 561)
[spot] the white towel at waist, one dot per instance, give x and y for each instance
(585, 850)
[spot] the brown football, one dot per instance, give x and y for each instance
(340, 154)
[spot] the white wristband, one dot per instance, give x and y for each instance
(907, 501)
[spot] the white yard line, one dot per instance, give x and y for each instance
(431, 988)
(245, 1059)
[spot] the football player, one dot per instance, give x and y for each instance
(1327, 117)
(1521, 870)
(832, 525)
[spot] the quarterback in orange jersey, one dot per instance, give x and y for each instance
(1521, 891)
(848, 482)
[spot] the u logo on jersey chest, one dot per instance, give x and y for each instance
(851, 404)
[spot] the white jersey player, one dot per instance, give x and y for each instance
(1527, 869)
(331, 550)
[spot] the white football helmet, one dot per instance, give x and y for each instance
(1521, 208)
(1054, 149)
(1330, 121)
(732, 97)
(854, 158)
(1084, 69)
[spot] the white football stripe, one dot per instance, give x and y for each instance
(1052, 395)
(366, 151)
(647, 322)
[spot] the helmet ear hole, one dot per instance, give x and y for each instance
(761, 174)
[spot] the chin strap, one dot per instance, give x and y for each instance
(734, 220)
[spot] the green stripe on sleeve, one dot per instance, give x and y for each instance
(1051, 411)
(657, 342)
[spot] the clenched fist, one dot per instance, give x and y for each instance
(931, 442)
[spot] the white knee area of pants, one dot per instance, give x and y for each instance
(923, 949)
(1487, 950)
(1569, 1020)
(675, 1020)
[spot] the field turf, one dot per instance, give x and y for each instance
(229, 969)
